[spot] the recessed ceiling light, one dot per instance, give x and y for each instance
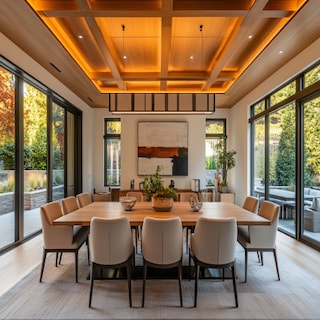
(281, 51)
(191, 57)
(250, 36)
(124, 57)
(80, 36)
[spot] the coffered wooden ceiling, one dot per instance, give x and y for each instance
(151, 45)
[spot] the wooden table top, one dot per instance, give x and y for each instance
(143, 209)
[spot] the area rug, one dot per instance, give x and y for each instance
(296, 296)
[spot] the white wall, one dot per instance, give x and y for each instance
(129, 147)
(15, 55)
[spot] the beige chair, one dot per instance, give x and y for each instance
(111, 246)
(261, 238)
(162, 247)
(137, 194)
(185, 197)
(69, 204)
(250, 203)
(59, 238)
(213, 245)
(84, 199)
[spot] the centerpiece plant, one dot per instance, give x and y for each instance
(154, 187)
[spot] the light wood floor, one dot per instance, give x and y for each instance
(17, 263)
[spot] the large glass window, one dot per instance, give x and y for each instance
(112, 163)
(7, 157)
(311, 170)
(35, 156)
(34, 152)
(286, 154)
(58, 147)
(215, 133)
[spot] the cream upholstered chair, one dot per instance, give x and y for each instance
(84, 199)
(250, 203)
(69, 204)
(185, 197)
(137, 194)
(162, 247)
(261, 238)
(213, 245)
(111, 246)
(59, 238)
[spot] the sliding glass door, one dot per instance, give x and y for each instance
(7, 157)
(311, 170)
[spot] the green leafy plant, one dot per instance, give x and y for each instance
(153, 186)
(225, 161)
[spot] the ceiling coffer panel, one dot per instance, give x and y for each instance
(165, 45)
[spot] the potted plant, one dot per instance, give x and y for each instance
(225, 161)
(162, 197)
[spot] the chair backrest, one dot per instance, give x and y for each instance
(250, 203)
(214, 241)
(84, 199)
(69, 204)
(269, 210)
(137, 194)
(265, 236)
(162, 240)
(185, 196)
(54, 236)
(110, 240)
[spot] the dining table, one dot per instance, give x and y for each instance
(83, 216)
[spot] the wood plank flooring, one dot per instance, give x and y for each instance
(17, 263)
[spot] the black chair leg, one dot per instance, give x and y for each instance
(196, 284)
(129, 282)
(234, 284)
(180, 280)
(144, 283)
(276, 262)
(44, 256)
(91, 283)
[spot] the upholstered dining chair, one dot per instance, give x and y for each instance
(213, 245)
(185, 197)
(69, 204)
(84, 199)
(137, 230)
(59, 238)
(250, 203)
(261, 238)
(137, 194)
(162, 247)
(111, 246)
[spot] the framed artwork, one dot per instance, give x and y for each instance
(165, 144)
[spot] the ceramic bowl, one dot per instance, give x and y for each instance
(128, 202)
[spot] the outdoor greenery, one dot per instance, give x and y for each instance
(34, 131)
(153, 186)
(225, 161)
(282, 135)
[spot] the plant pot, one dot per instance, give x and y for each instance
(162, 204)
(223, 189)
